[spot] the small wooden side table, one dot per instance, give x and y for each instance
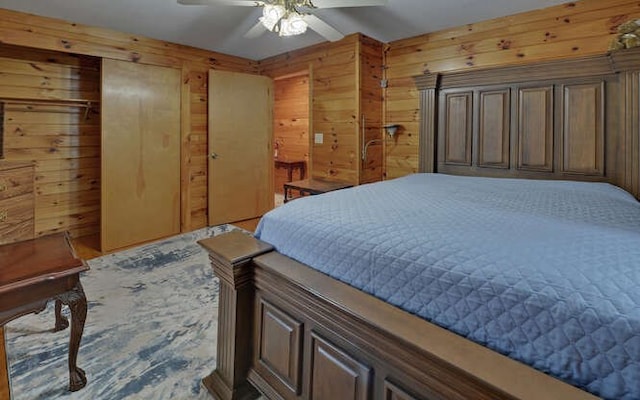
(312, 186)
(32, 273)
(290, 166)
(4, 370)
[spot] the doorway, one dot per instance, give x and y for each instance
(291, 130)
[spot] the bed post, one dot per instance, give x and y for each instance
(231, 257)
(427, 85)
(628, 62)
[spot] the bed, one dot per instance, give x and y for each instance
(516, 288)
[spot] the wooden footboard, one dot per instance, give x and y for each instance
(295, 333)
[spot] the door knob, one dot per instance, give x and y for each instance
(214, 155)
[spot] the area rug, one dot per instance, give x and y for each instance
(150, 331)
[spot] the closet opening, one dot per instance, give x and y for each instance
(50, 117)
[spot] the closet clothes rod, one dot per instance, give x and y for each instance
(86, 104)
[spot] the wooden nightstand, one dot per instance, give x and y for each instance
(312, 186)
(35, 271)
(290, 166)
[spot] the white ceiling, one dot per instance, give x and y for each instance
(221, 28)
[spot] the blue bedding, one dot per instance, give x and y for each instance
(545, 272)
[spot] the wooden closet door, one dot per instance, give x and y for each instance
(140, 153)
(240, 153)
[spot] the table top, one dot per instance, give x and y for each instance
(37, 260)
(289, 162)
(317, 185)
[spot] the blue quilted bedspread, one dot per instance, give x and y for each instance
(545, 272)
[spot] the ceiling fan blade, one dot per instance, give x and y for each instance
(348, 3)
(324, 29)
(257, 30)
(245, 3)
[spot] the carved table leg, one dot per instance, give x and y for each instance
(77, 302)
(61, 321)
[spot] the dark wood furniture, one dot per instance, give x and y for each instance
(294, 333)
(570, 119)
(290, 166)
(32, 273)
(4, 369)
(17, 201)
(312, 186)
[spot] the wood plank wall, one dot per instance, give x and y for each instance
(195, 193)
(344, 76)
(573, 29)
(63, 140)
(291, 123)
(332, 69)
(371, 104)
(43, 33)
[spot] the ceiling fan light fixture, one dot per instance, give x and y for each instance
(271, 15)
(293, 24)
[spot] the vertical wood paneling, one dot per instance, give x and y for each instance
(336, 375)
(493, 128)
(280, 345)
(582, 132)
(535, 129)
(573, 29)
(457, 133)
(427, 130)
(63, 142)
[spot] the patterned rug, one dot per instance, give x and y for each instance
(150, 331)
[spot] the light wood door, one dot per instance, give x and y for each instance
(140, 153)
(240, 152)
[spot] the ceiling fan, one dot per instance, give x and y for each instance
(290, 17)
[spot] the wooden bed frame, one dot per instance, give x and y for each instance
(295, 333)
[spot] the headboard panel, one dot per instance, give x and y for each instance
(571, 119)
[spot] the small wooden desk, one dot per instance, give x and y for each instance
(290, 166)
(36, 271)
(312, 186)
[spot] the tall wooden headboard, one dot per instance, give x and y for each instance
(575, 119)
